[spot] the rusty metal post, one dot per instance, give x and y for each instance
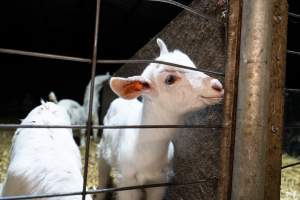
(249, 174)
(230, 98)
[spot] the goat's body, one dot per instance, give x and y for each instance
(44, 161)
(98, 85)
(75, 111)
(132, 154)
(144, 156)
(76, 114)
(79, 113)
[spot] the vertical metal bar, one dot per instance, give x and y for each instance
(276, 100)
(89, 122)
(230, 98)
(252, 103)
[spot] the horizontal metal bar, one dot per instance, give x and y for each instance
(19, 197)
(151, 186)
(87, 60)
(290, 165)
(191, 10)
(294, 15)
(145, 61)
(110, 189)
(14, 126)
(292, 90)
(44, 55)
(292, 126)
(293, 52)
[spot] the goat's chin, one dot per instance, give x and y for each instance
(211, 100)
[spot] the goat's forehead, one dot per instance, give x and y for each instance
(153, 73)
(176, 57)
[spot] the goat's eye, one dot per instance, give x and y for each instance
(170, 79)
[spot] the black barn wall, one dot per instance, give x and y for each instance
(66, 28)
(291, 141)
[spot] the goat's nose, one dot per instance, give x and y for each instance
(216, 85)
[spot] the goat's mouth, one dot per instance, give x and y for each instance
(212, 97)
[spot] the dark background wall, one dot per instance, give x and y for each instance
(66, 27)
(291, 142)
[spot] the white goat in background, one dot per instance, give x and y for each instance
(78, 113)
(144, 156)
(44, 160)
(98, 85)
(75, 112)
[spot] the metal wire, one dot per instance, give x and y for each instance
(293, 52)
(294, 15)
(292, 90)
(90, 112)
(290, 165)
(189, 9)
(44, 55)
(14, 126)
(292, 127)
(106, 190)
(102, 61)
(159, 62)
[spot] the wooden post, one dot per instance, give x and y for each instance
(256, 169)
(253, 96)
(229, 110)
(276, 100)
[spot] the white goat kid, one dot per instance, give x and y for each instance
(79, 113)
(75, 112)
(44, 160)
(143, 156)
(98, 85)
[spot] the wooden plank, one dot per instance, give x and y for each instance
(276, 99)
(230, 98)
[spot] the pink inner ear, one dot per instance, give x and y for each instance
(133, 86)
(133, 89)
(128, 89)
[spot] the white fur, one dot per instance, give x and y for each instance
(44, 160)
(99, 80)
(79, 113)
(75, 112)
(144, 156)
(1, 187)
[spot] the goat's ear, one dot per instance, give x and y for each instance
(162, 46)
(42, 101)
(129, 88)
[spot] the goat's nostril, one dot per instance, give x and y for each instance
(217, 87)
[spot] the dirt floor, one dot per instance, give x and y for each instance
(290, 186)
(290, 179)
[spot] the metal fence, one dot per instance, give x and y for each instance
(93, 61)
(292, 90)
